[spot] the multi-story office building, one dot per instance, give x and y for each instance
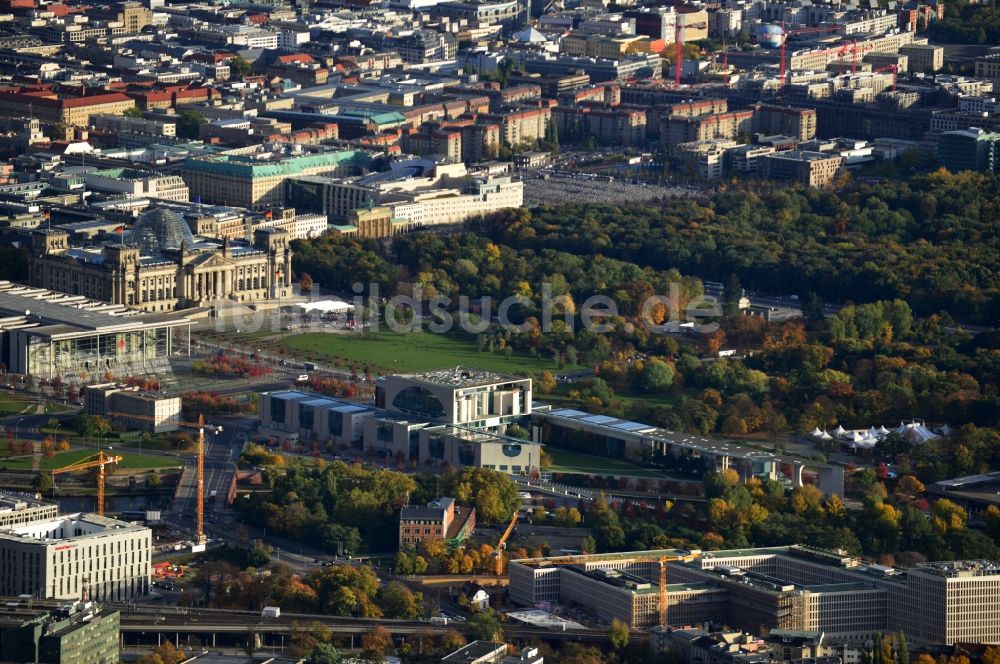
(796, 588)
(78, 633)
(16, 509)
(924, 58)
(421, 192)
(969, 150)
(163, 267)
(957, 600)
(52, 108)
(254, 177)
(138, 184)
(616, 586)
(76, 555)
(440, 519)
(602, 46)
(48, 334)
(132, 409)
(622, 439)
(810, 169)
(704, 159)
(127, 124)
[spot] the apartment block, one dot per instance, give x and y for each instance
(926, 58)
(677, 130)
(799, 123)
(521, 126)
(810, 169)
(611, 126)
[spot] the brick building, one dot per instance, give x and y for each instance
(439, 519)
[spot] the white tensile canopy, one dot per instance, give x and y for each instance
(816, 433)
(326, 306)
(915, 432)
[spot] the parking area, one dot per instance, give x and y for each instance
(560, 190)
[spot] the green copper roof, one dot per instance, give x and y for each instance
(247, 166)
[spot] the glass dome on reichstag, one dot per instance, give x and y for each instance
(159, 229)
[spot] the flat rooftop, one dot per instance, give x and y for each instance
(462, 377)
(66, 527)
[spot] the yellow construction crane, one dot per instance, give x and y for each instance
(663, 560)
(99, 461)
(502, 544)
(200, 426)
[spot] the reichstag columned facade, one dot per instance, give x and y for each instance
(161, 266)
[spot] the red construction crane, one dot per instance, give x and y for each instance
(893, 68)
(853, 48)
(784, 40)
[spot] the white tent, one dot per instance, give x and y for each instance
(883, 431)
(915, 432)
(326, 306)
(825, 436)
(816, 433)
(840, 431)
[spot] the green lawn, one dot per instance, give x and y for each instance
(131, 460)
(13, 405)
(564, 461)
(416, 351)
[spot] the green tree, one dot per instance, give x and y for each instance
(132, 112)
(324, 653)
(398, 601)
(518, 431)
(656, 377)
(239, 66)
(903, 649)
(42, 483)
(618, 634)
(188, 122)
(486, 625)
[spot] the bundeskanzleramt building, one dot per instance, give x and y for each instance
(78, 633)
(163, 267)
(76, 555)
(454, 416)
